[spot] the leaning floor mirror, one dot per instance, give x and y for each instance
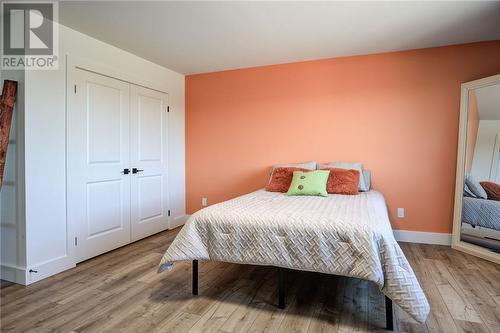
(476, 225)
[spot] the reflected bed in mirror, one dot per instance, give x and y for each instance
(477, 203)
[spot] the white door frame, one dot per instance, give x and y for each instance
(74, 62)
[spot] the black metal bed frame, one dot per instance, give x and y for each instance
(389, 321)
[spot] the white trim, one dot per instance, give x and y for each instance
(460, 171)
(178, 221)
(83, 63)
(13, 274)
(49, 268)
(422, 237)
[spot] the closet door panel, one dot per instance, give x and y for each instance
(151, 201)
(98, 153)
(104, 218)
(104, 123)
(150, 117)
(149, 151)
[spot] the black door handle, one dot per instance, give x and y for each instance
(126, 171)
(135, 170)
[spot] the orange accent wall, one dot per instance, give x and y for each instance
(472, 127)
(397, 113)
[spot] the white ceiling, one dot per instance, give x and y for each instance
(195, 37)
(488, 102)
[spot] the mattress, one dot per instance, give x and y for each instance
(481, 212)
(339, 234)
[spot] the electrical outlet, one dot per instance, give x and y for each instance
(204, 202)
(401, 213)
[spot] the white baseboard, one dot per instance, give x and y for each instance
(178, 221)
(49, 268)
(13, 274)
(422, 237)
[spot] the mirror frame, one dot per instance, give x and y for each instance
(456, 243)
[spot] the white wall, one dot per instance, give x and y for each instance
(47, 230)
(12, 241)
(487, 136)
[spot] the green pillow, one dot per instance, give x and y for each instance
(309, 183)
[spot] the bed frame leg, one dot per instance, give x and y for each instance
(389, 321)
(195, 277)
(281, 287)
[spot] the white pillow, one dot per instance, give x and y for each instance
(475, 187)
(367, 175)
(305, 165)
(350, 166)
(468, 192)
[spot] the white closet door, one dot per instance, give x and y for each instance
(98, 154)
(148, 159)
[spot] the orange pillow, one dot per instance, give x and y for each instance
(492, 190)
(281, 179)
(342, 181)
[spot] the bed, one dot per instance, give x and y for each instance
(481, 222)
(339, 234)
(481, 213)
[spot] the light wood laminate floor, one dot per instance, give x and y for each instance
(121, 292)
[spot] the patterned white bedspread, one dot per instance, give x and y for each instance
(338, 234)
(481, 212)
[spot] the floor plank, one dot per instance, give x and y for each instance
(120, 291)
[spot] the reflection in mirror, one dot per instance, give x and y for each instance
(481, 202)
